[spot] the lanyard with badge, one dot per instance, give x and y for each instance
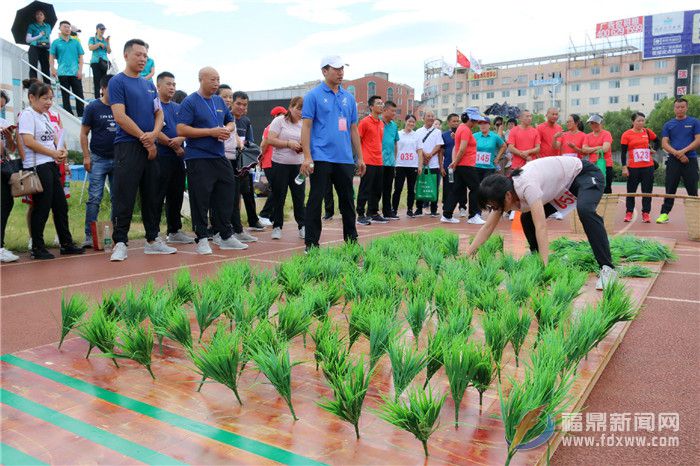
(212, 109)
(342, 121)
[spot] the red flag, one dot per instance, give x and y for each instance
(462, 60)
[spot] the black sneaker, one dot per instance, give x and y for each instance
(392, 216)
(363, 220)
(379, 219)
(41, 254)
(328, 217)
(434, 214)
(257, 227)
(410, 214)
(71, 249)
(418, 213)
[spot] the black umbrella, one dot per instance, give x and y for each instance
(25, 17)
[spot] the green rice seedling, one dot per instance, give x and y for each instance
(158, 316)
(293, 319)
(635, 270)
(497, 336)
(177, 326)
(554, 269)
(521, 284)
(182, 288)
(484, 370)
(382, 329)
(373, 285)
(636, 249)
(351, 250)
(424, 285)
(488, 300)
(358, 323)
(408, 267)
(567, 286)
(111, 300)
(416, 314)
(135, 342)
(490, 274)
(436, 346)
(274, 362)
(460, 361)
(290, 275)
(100, 331)
(616, 306)
(220, 358)
(233, 306)
(260, 300)
(419, 415)
(433, 257)
(458, 323)
(447, 297)
(492, 247)
(549, 311)
(266, 280)
(264, 334)
(508, 263)
(406, 363)
(550, 351)
(329, 343)
(349, 391)
(72, 311)
(582, 334)
(442, 240)
(132, 310)
(207, 308)
(517, 325)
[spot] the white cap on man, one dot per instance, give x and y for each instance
(334, 61)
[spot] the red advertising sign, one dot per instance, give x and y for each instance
(621, 27)
(682, 74)
(681, 90)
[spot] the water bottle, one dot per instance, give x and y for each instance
(451, 175)
(107, 240)
(66, 185)
(257, 174)
(300, 179)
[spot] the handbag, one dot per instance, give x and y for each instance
(25, 182)
(103, 65)
(426, 186)
(247, 158)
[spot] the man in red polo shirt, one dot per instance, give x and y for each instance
(371, 129)
(549, 132)
(523, 141)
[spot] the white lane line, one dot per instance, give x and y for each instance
(680, 273)
(661, 298)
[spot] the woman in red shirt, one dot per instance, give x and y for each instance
(571, 142)
(639, 166)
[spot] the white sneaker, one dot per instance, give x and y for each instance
(557, 216)
(29, 244)
(88, 242)
(476, 220)
(266, 222)
(276, 233)
(180, 238)
(444, 219)
(462, 212)
(119, 253)
(607, 275)
(511, 217)
(56, 241)
(244, 237)
(203, 247)
(7, 256)
(216, 239)
(302, 232)
(232, 243)
(158, 246)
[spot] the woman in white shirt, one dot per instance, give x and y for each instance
(409, 161)
(39, 141)
(284, 137)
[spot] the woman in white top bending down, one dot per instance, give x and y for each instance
(409, 162)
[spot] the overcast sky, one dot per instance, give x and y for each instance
(273, 43)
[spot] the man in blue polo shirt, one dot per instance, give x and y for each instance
(680, 138)
(448, 139)
(69, 54)
(329, 129)
(206, 122)
(389, 143)
(137, 111)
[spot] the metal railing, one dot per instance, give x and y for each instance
(54, 82)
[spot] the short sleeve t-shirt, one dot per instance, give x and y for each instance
(68, 53)
(371, 134)
(638, 152)
(37, 125)
(408, 146)
(487, 148)
(286, 131)
(138, 97)
(597, 140)
(103, 129)
(681, 133)
(448, 144)
(170, 111)
(464, 134)
(522, 139)
(578, 139)
(147, 68)
(244, 129)
(266, 159)
(544, 179)
(331, 114)
(547, 133)
(391, 137)
(35, 29)
(99, 52)
(199, 112)
(432, 140)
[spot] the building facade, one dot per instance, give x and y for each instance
(378, 84)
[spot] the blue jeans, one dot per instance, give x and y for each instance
(102, 168)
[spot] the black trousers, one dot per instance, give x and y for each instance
(645, 176)
(609, 174)
(466, 178)
(408, 175)
(588, 188)
(171, 190)
(246, 191)
(266, 211)
(76, 86)
(328, 202)
(39, 58)
(446, 192)
(283, 179)
(97, 75)
(6, 204)
(53, 200)
(433, 204)
(133, 173)
(675, 171)
(339, 175)
(388, 175)
(370, 191)
(210, 183)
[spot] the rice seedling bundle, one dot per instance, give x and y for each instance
(135, 342)
(436, 346)
(522, 281)
(447, 297)
(100, 331)
(417, 312)
(518, 325)
(158, 315)
(233, 305)
(550, 351)
(274, 362)
(406, 363)
(261, 336)
(567, 286)
(443, 240)
(616, 306)
(509, 264)
(373, 285)
(549, 311)
(358, 323)
(584, 332)
(418, 415)
(176, 326)
(110, 303)
(497, 335)
(219, 359)
(72, 311)
(488, 300)
(424, 285)
(293, 319)
(490, 274)
(236, 276)
(407, 267)
(484, 370)
(382, 329)
(182, 288)
(330, 349)
(433, 257)
(349, 391)
(261, 299)
(351, 251)
(207, 308)
(635, 270)
(132, 310)
(460, 362)
(458, 323)
(635, 249)
(491, 248)
(290, 275)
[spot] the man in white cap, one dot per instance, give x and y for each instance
(328, 134)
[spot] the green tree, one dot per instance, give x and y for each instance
(537, 118)
(663, 111)
(617, 123)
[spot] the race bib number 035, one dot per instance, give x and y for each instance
(408, 156)
(565, 203)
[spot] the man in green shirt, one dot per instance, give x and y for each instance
(389, 142)
(69, 54)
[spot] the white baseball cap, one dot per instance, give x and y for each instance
(333, 61)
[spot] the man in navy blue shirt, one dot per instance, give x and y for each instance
(171, 184)
(448, 138)
(137, 111)
(206, 122)
(329, 129)
(680, 138)
(98, 157)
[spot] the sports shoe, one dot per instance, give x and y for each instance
(511, 216)
(418, 213)
(663, 218)
(71, 250)
(302, 232)
(606, 276)
(88, 242)
(257, 227)
(392, 216)
(628, 217)
(56, 241)
(119, 253)
(41, 254)
(158, 246)
(434, 214)
(266, 222)
(328, 217)
(276, 233)
(476, 220)
(203, 247)
(7, 255)
(232, 243)
(410, 214)
(216, 239)
(363, 220)
(29, 244)
(557, 216)
(379, 219)
(444, 219)
(244, 237)
(646, 218)
(180, 238)
(462, 213)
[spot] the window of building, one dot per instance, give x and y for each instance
(475, 83)
(613, 99)
(522, 91)
(661, 64)
(575, 73)
(490, 82)
(444, 112)
(475, 96)
(445, 99)
(446, 86)
(506, 80)
(595, 70)
(390, 94)
(575, 87)
(633, 82)
(555, 74)
(505, 93)
(410, 105)
(459, 85)
(614, 68)
(594, 85)
(351, 90)
(575, 102)
(399, 101)
(459, 97)
(371, 89)
(522, 79)
(660, 79)
(594, 100)
(633, 98)
(635, 66)
(490, 95)
(614, 84)
(398, 110)
(539, 107)
(659, 96)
